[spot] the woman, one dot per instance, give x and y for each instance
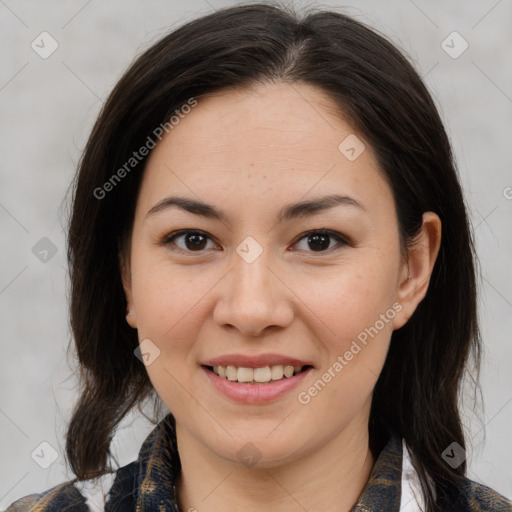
(269, 236)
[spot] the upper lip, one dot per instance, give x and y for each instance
(259, 361)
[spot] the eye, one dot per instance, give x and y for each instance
(194, 241)
(320, 240)
(197, 241)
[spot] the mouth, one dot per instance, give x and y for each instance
(256, 376)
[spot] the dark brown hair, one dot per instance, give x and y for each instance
(382, 95)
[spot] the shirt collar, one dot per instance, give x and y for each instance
(160, 466)
(383, 489)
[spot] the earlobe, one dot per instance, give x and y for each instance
(130, 318)
(125, 271)
(416, 272)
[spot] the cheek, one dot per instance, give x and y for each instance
(170, 312)
(352, 323)
(346, 301)
(167, 301)
(171, 302)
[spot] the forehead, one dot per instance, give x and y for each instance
(274, 141)
(297, 116)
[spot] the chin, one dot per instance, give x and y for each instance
(258, 449)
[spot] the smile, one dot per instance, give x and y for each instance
(240, 384)
(261, 375)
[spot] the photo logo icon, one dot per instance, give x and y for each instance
(249, 455)
(454, 455)
(44, 250)
(44, 455)
(352, 147)
(147, 352)
(44, 45)
(249, 250)
(454, 45)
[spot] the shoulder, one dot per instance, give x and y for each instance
(114, 491)
(471, 497)
(83, 496)
(62, 495)
(481, 498)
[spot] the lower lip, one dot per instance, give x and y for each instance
(255, 393)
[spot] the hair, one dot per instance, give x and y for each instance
(385, 100)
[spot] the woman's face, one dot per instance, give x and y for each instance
(255, 285)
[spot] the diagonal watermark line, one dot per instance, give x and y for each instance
(71, 71)
(206, 1)
(405, 504)
(7, 493)
(215, 488)
(13, 217)
(286, 491)
(499, 411)
(19, 19)
(485, 15)
(424, 14)
(12, 280)
(285, 418)
(198, 402)
(14, 423)
(14, 76)
(492, 81)
(431, 69)
(74, 16)
(310, 104)
(333, 333)
(371, 371)
(484, 219)
(507, 301)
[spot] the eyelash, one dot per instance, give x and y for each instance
(169, 239)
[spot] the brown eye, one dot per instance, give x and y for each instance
(197, 241)
(193, 241)
(320, 241)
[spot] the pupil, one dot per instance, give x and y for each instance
(317, 242)
(195, 241)
(321, 239)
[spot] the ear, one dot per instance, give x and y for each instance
(415, 273)
(126, 277)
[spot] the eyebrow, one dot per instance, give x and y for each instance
(288, 212)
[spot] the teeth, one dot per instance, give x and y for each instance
(245, 374)
(231, 373)
(262, 374)
(288, 371)
(276, 372)
(256, 375)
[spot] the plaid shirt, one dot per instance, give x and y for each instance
(147, 485)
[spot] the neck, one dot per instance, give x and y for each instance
(330, 478)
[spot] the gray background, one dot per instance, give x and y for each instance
(47, 107)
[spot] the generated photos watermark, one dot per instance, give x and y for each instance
(143, 151)
(305, 397)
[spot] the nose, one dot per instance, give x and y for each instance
(253, 297)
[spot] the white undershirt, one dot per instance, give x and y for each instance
(412, 498)
(95, 491)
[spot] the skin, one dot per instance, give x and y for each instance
(250, 152)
